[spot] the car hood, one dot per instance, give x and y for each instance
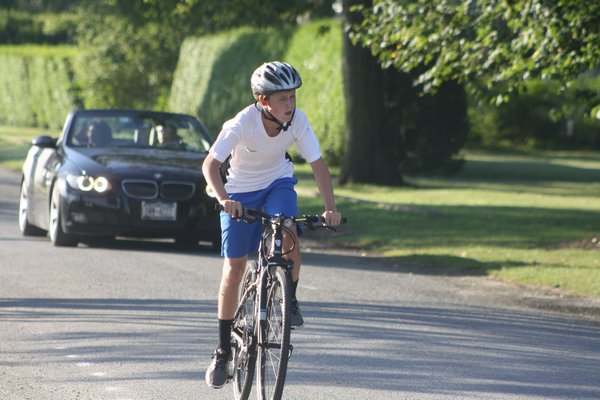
(135, 162)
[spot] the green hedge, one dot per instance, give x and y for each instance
(212, 79)
(37, 86)
(316, 51)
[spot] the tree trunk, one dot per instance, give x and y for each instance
(370, 145)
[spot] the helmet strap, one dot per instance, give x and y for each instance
(281, 126)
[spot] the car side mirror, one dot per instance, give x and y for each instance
(44, 142)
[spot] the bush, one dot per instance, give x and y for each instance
(132, 73)
(541, 118)
(437, 128)
(322, 94)
(212, 79)
(37, 86)
(18, 27)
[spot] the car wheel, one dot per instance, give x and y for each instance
(24, 226)
(57, 235)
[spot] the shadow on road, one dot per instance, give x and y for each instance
(448, 351)
(440, 351)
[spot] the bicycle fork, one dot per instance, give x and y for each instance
(267, 277)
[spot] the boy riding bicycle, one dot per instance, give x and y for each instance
(260, 176)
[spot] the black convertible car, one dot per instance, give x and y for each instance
(119, 173)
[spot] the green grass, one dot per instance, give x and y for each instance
(502, 216)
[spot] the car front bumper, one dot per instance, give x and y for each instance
(115, 214)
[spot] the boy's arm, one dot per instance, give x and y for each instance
(323, 178)
(212, 174)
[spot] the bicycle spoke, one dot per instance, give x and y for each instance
(275, 346)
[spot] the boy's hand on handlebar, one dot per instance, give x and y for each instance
(332, 218)
(232, 207)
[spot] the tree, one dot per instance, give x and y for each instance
(500, 44)
(370, 148)
(392, 129)
(132, 47)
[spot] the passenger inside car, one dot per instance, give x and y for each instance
(165, 136)
(98, 134)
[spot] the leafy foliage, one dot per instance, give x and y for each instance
(500, 43)
(540, 119)
(135, 72)
(198, 16)
(21, 27)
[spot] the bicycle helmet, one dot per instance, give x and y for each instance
(274, 76)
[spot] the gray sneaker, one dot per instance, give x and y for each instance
(297, 320)
(218, 371)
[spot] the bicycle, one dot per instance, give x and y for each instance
(264, 297)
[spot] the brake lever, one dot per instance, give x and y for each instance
(247, 217)
(311, 225)
(325, 226)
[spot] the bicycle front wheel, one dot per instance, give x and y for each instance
(243, 338)
(274, 344)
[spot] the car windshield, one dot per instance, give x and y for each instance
(147, 130)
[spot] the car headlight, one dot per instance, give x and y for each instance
(87, 183)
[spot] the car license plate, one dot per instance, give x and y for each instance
(159, 211)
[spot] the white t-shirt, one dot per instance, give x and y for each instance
(257, 158)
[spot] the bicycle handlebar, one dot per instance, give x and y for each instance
(250, 215)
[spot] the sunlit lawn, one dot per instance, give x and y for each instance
(503, 216)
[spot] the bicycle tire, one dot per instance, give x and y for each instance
(274, 348)
(244, 354)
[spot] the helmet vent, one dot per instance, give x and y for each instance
(274, 76)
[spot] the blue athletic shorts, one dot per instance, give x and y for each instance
(240, 238)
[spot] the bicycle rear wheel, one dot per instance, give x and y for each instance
(274, 349)
(243, 338)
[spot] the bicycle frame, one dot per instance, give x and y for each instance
(274, 260)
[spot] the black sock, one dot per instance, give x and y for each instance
(294, 288)
(225, 334)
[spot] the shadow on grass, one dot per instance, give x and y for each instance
(422, 264)
(542, 170)
(437, 237)
(458, 226)
(428, 264)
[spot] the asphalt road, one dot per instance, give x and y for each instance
(137, 321)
